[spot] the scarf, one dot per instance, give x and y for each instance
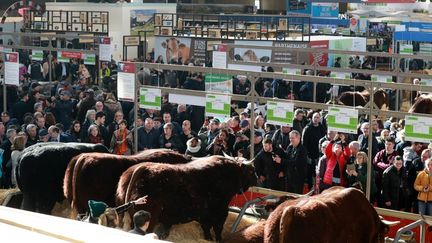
(121, 148)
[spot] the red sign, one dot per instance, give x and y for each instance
(11, 57)
(127, 67)
(67, 54)
(322, 58)
(106, 40)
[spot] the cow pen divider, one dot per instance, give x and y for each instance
(370, 108)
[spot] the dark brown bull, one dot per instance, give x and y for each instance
(200, 190)
(94, 176)
(356, 98)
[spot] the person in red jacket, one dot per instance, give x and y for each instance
(337, 153)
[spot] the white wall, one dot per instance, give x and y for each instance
(119, 18)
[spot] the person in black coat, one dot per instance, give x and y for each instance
(21, 107)
(168, 139)
(269, 171)
(148, 136)
(64, 109)
(395, 189)
(295, 164)
(141, 221)
(417, 166)
(7, 151)
(312, 133)
(87, 104)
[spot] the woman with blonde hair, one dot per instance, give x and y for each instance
(17, 148)
(357, 174)
(423, 184)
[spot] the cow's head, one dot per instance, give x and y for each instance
(172, 48)
(248, 177)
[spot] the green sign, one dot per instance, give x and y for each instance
(342, 120)
(294, 71)
(150, 98)
(340, 75)
(37, 55)
(218, 105)
(280, 113)
(382, 78)
(219, 83)
(418, 129)
(406, 49)
(90, 59)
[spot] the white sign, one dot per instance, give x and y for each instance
(418, 129)
(150, 98)
(126, 82)
(382, 78)
(105, 50)
(37, 55)
(342, 120)
(280, 113)
(219, 59)
(292, 71)
(11, 75)
(218, 105)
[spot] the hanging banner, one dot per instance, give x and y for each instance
(418, 129)
(105, 49)
(11, 72)
(280, 113)
(173, 48)
(218, 105)
(252, 55)
(89, 59)
(323, 57)
(37, 55)
(65, 56)
(220, 83)
(126, 81)
(382, 78)
(150, 98)
(342, 120)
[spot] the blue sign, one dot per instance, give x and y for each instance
(325, 10)
(299, 6)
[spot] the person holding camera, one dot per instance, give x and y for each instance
(268, 166)
(423, 184)
(337, 153)
(220, 144)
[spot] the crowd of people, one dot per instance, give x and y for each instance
(286, 157)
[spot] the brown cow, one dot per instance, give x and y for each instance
(351, 98)
(328, 217)
(94, 175)
(423, 104)
(200, 190)
(251, 234)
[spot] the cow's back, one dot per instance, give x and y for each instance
(41, 170)
(95, 176)
(251, 234)
(330, 217)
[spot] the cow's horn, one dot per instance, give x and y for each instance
(249, 162)
(390, 223)
(227, 156)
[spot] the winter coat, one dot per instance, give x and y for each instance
(423, 179)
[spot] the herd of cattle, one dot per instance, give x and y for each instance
(181, 189)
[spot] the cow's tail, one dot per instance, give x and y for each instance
(132, 182)
(285, 223)
(68, 179)
(76, 170)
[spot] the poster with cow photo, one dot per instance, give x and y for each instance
(171, 48)
(251, 55)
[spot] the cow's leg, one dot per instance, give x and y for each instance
(206, 228)
(163, 231)
(219, 221)
(28, 202)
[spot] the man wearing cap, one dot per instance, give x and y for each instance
(242, 137)
(257, 143)
(97, 208)
(281, 137)
(43, 136)
(64, 109)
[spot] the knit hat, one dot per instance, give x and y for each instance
(96, 208)
(244, 123)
